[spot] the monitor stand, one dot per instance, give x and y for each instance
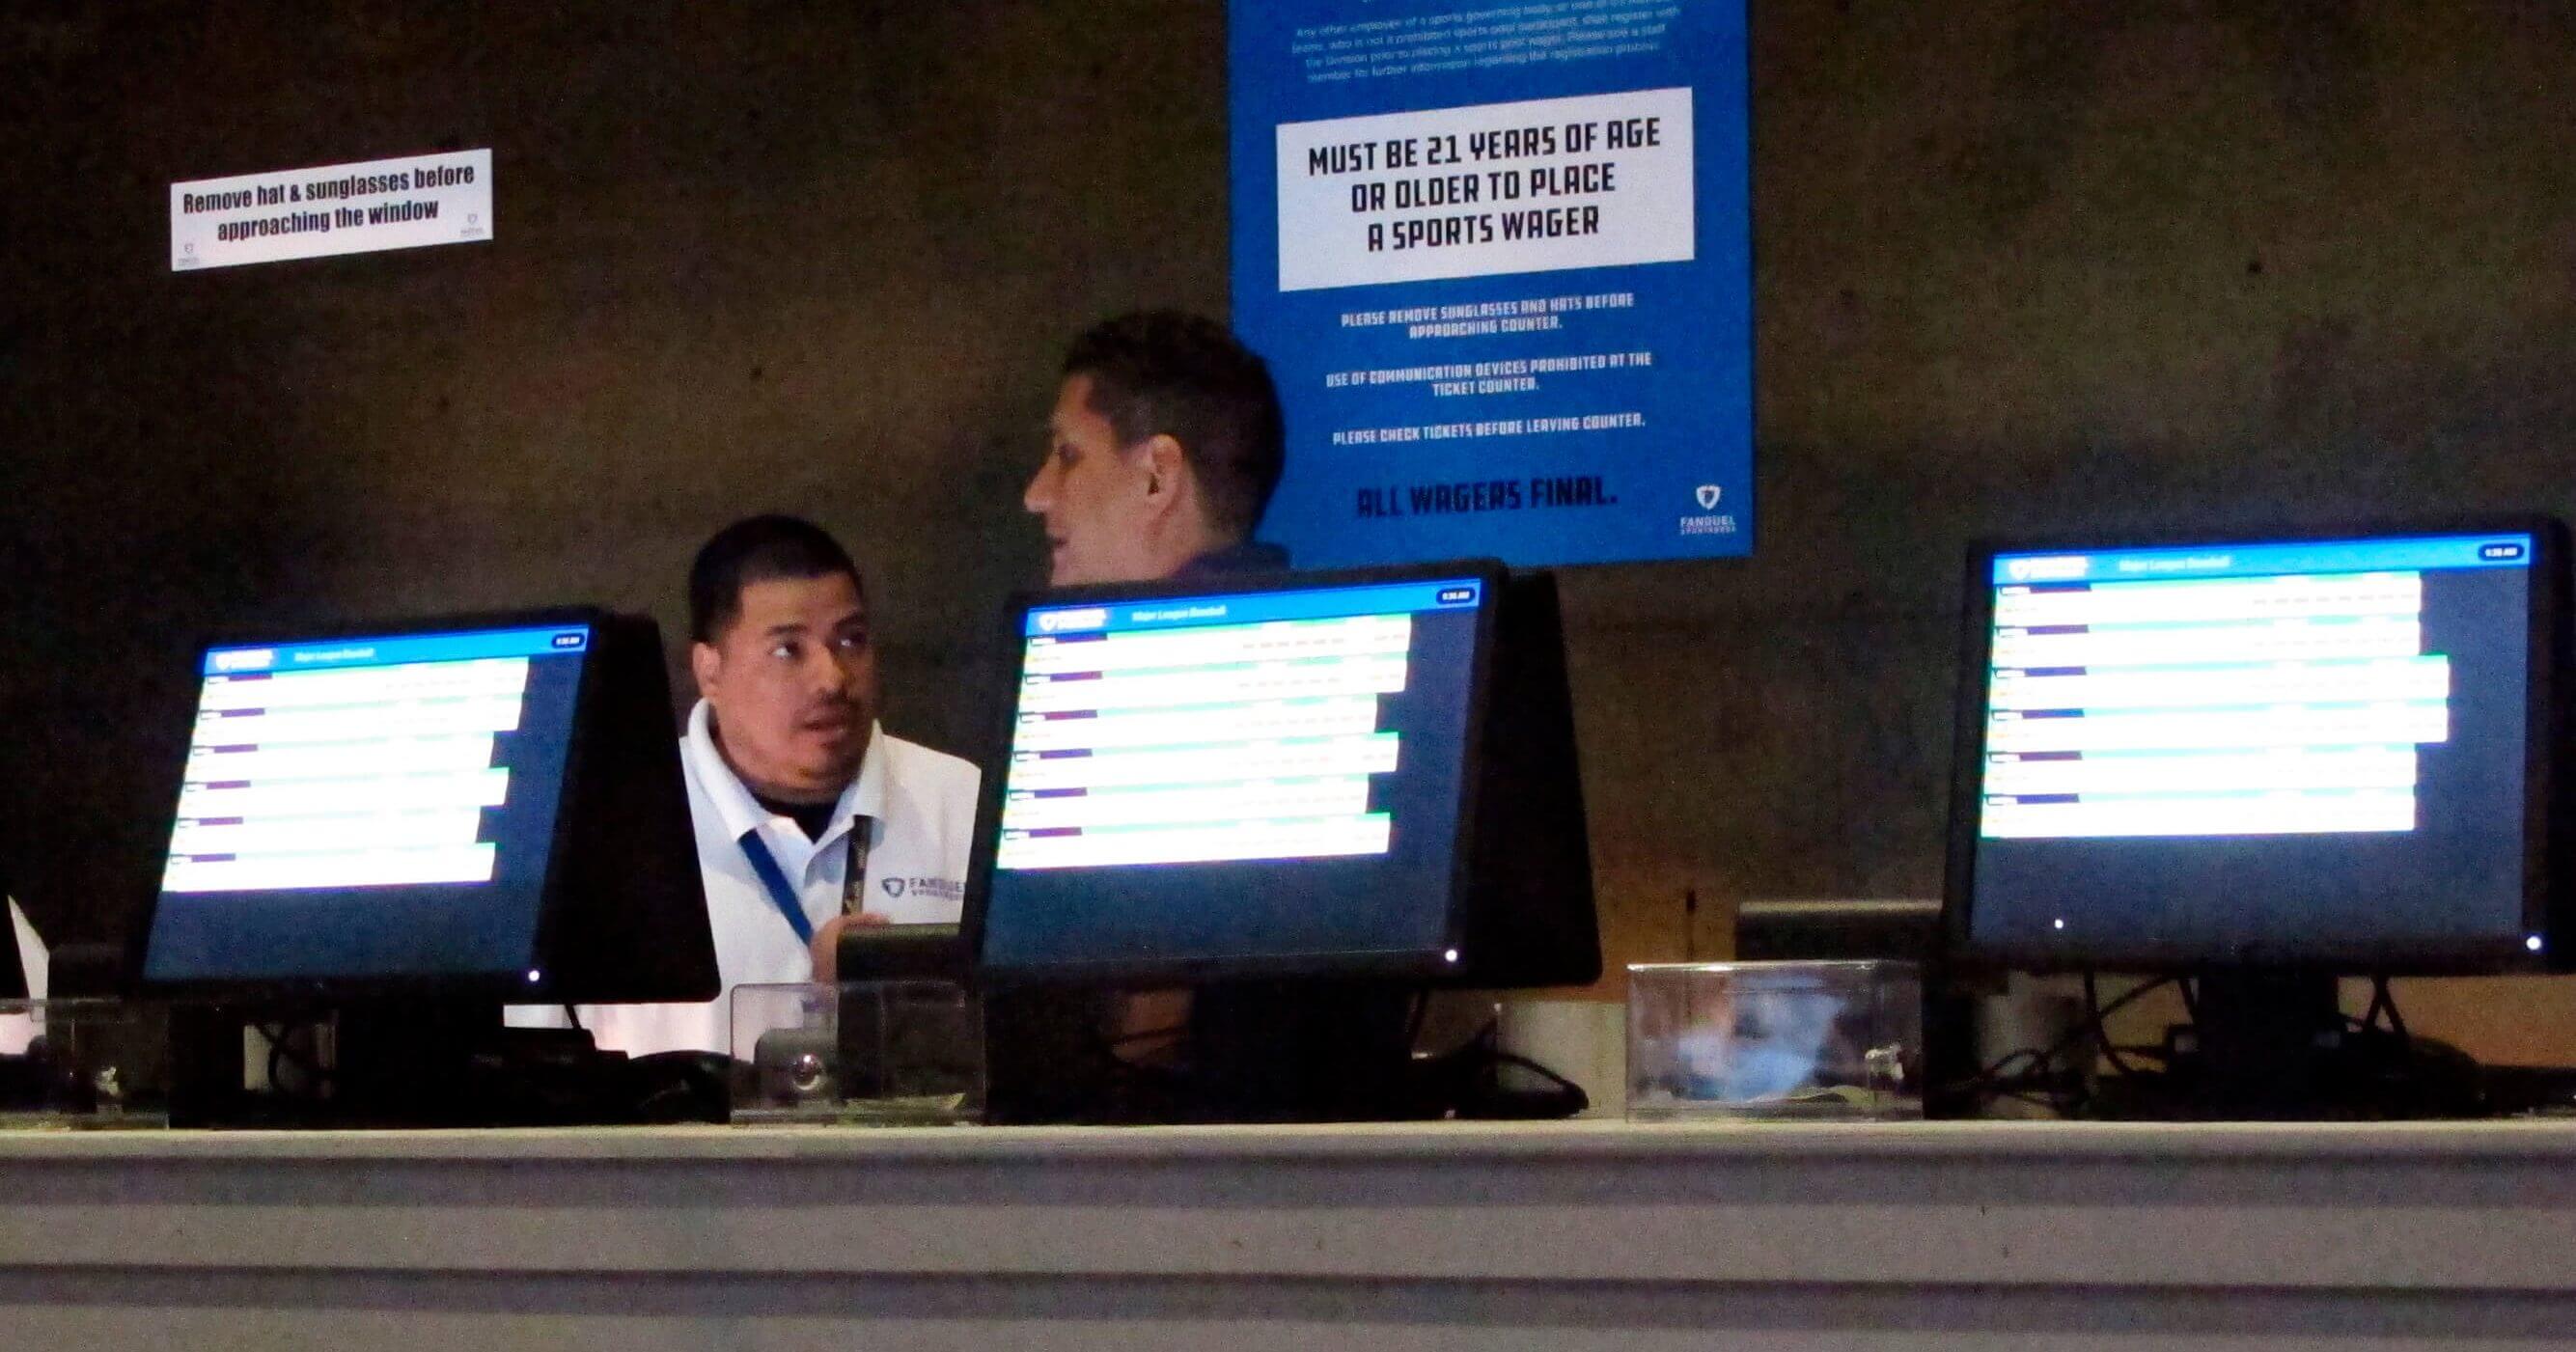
(1303, 1051)
(2261, 1045)
(1306, 1050)
(407, 1064)
(1267, 1051)
(1342, 1051)
(2275, 1046)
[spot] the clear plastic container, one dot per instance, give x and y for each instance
(1803, 1040)
(896, 1053)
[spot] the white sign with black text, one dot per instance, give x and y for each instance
(1601, 180)
(405, 203)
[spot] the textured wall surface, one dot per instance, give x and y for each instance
(2022, 265)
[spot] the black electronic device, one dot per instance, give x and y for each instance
(916, 952)
(407, 826)
(2255, 761)
(906, 1020)
(1309, 796)
(1814, 929)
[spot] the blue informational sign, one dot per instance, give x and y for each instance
(1499, 259)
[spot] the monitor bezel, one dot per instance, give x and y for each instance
(2546, 634)
(1423, 965)
(502, 986)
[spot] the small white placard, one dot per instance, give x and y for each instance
(405, 203)
(1594, 181)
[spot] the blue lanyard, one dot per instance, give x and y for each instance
(775, 879)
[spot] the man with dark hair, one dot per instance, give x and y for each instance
(1163, 449)
(809, 817)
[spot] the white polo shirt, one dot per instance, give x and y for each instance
(921, 809)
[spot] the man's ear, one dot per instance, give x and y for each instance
(1167, 471)
(705, 664)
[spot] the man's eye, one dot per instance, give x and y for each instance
(1064, 454)
(853, 642)
(783, 651)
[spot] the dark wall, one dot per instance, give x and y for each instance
(2022, 264)
(818, 259)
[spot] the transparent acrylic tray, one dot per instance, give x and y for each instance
(861, 1053)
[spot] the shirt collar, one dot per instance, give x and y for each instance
(741, 813)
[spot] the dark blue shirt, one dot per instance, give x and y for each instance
(1243, 556)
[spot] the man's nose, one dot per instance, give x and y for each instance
(1040, 494)
(826, 675)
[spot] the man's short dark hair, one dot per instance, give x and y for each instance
(758, 549)
(1165, 371)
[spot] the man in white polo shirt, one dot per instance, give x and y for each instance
(809, 817)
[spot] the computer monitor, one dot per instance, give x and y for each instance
(395, 830)
(1353, 775)
(1308, 796)
(2241, 753)
(477, 810)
